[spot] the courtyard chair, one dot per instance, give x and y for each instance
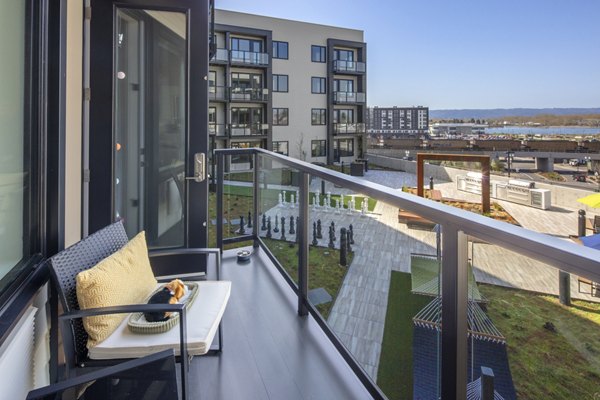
(193, 337)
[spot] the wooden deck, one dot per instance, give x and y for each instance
(269, 351)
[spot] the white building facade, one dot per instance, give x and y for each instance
(292, 87)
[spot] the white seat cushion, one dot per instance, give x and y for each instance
(203, 319)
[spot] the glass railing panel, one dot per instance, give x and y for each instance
(217, 129)
(538, 343)
(249, 57)
(238, 200)
(248, 94)
(361, 260)
(349, 66)
(221, 55)
(217, 92)
(349, 97)
(279, 213)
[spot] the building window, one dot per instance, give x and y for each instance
(318, 85)
(318, 116)
(280, 116)
(344, 147)
(343, 116)
(343, 85)
(281, 147)
(318, 54)
(318, 148)
(343, 55)
(280, 50)
(249, 45)
(20, 165)
(280, 83)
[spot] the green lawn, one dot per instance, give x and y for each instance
(395, 375)
(548, 365)
(324, 268)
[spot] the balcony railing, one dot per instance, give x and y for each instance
(355, 127)
(349, 97)
(217, 93)
(217, 129)
(349, 66)
(249, 58)
(248, 94)
(249, 130)
(221, 56)
(419, 252)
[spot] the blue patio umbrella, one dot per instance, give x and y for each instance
(592, 241)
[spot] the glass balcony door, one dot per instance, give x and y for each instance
(154, 134)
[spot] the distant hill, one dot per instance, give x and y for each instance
(507, 112)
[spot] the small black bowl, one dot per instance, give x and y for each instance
(244, 256)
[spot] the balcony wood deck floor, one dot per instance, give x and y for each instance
(269, 351)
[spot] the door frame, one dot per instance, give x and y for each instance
(99, 64)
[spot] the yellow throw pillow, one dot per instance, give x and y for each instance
(124, 277)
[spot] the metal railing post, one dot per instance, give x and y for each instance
(302, 230)
(454, 314)
(220, 178)
(255, 211)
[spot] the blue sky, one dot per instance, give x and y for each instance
(465, 54)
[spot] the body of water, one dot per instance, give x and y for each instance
(551, 130)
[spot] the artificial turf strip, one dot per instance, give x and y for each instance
(395, 375)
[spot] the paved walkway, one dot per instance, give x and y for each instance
(384, 245)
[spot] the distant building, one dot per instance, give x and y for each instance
(455, 130)
(397, 121)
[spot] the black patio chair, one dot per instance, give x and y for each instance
(152, 376)
(88, 252)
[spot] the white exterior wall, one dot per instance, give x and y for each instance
(300, 69)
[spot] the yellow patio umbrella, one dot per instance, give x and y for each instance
(593, 200)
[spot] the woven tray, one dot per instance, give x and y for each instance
(137, 322)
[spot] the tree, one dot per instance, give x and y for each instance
(300, 146)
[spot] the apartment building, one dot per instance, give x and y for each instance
(398, 121)
(296, 88)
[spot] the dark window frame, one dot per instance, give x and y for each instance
(321, 145)
(276, 112)
(322, 117)
(251, 43)
(322, 53)
(277, 49)
(287, 147)
(347, 153)
(322, 85)
(276, 77)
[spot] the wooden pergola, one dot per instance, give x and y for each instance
(484, 161)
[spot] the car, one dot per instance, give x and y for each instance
(574, 162)
(579, 177)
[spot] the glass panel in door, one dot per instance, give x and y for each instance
(150, 124)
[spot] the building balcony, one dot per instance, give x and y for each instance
(349, 98)
(349, 128)
(221, 57)
(244, 94)
(349, 67)
(239, 57)
(217, 93)
(351, 286)
(249, 129)
(217, 129)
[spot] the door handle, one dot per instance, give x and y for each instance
(199, 168)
